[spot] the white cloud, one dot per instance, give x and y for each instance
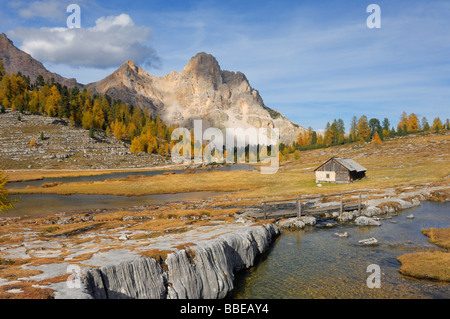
(112, 41)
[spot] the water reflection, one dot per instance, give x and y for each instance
(41, 205)
(103, 177)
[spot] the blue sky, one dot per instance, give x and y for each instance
(313, 61)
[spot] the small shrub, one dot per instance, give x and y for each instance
(48, 185)
(6, 262)
(159, 255)
(50, 229)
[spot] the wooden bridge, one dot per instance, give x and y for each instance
(302, 207)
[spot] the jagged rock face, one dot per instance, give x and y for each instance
(15, 60)
(207, 272)
(201, 91)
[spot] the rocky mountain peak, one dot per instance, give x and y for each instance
(129, 68)
(202, 90)
(4, 41)
(131, 64)
(204, 66)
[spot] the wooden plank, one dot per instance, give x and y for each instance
(299, 208)
(313, 197)
(311, 211)
(359, 204)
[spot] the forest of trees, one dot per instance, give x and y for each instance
(363, 130)
(90, 111)
(147, 133)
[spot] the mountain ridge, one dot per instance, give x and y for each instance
(16, 60)
(202, 90)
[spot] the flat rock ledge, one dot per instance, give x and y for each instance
(204, 271)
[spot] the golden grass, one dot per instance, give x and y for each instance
(117, 215)
(395, 205)
(389, 166)
(47, 185)
(12, 239)
(29, 175)
(11, 269)
(438, 196)
(159, 225)
(439, 237)
(28, 292)
(159, 255)
(426, 265)
(432, 265)
(69, 229)
(54, 280)
(392, 165)
(184, 246)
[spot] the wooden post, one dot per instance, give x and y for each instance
(359, 204)
(341, 209)
(299, 208)
(265, 210)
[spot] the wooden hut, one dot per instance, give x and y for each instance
(339, 170)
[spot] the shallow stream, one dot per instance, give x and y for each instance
(41, 205)
(315, 263)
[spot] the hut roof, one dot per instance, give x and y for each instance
(349, 164)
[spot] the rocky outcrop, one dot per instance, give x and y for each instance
(138, 279)
(64, 146)
(297, 223)
(368, 242)
(204, 271)
(366, 221)
(392, 205)
(15, 60)
(201, 91)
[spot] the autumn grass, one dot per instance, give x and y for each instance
(69, 229)
(430, 265)
(11, 269)
(392, 165)
(30, 175)
(389, 165)
(426, 265)
(27, 291)
(159, 255)
(439, 237)
(169, 219)
(119, 215)
(438, 196)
